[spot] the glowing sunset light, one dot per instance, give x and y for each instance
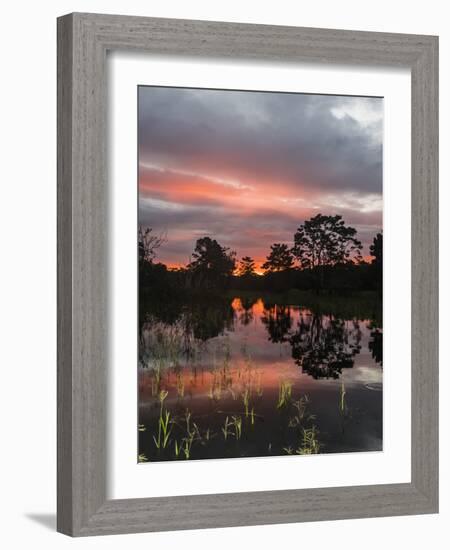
(205, 170)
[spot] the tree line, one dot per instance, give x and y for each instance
(326, 255)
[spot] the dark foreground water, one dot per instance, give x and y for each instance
(252, 377)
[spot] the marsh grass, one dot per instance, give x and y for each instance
(226, 374)
(215, 387)
(177, 434)
(156, 381)
(232, 428)
(180, 385)
(177, 448)
(301, 414)
(163, 345)
(237, 424)
(225, 429)
(342, 399)
(191, 434)
(246, 400)
(284, 393)
(258, 389)
(180, 435)
(307, 435)
(165, 423)
(187, 445)
(310, 442)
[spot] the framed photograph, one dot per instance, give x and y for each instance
(247, 274)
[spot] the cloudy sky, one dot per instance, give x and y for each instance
(247, 168)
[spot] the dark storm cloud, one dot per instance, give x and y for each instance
(308, 140)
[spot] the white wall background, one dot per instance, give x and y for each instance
(28, 270)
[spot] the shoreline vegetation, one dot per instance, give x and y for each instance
(225, 352)
(324, 260)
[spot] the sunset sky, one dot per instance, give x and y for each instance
(247, 168)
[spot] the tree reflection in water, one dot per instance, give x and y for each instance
(246, 314)
(376, 346)
(208, 319)
(278, 321)
(322, 345)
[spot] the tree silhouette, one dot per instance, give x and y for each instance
(323, 346)
(325, 240)
(376, 249)
(246, 267)
(148, 244)
(279, 259)
(212, 264)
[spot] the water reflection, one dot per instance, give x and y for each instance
(278, 322)
(244, 309)
(281, 378)
(323, 346)
(376, 345)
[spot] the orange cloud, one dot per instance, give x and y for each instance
(240, 214)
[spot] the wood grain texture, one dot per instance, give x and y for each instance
(424, 279)
(83, 198)
(64, 335)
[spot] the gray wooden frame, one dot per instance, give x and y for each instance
(83, 41)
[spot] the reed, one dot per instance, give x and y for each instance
(165, 345)
(187, 419)
(166, 430)
(342, 401)
(237, 424)
(165, 423)
(310, 443)
(192, 432)
(301, 416)
(187, 445)
(234, 394)
(156, 381)
(180, 385)
(226, 428)
(246, 400)
(177, 448)
(284, 393)
(215, 388)
(259, 390)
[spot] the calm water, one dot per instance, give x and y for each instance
(253, 378)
